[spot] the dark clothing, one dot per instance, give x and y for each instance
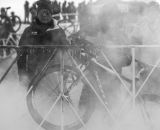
(44, 4)
(5, 27)
(5, 30)
(64, 10)
(56, 7)
(38, 34)
(33, 12)
(26, 11)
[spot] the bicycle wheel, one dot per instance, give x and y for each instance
(16, 23)
(75, 106)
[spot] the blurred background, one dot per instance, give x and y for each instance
(18, 5)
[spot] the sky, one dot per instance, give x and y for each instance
(17, 5)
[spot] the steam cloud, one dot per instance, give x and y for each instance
(117, 23)
(125, 23)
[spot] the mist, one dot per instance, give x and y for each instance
(117, 23)
(15, 115)
(125, 23)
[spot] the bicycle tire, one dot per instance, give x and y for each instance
(86, 97)
(18, 22)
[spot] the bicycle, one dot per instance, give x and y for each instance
(9, 26)
(71, 75)
(13, 20)
(49, 92)
(60, 94)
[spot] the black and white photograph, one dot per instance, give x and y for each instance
(79, 64)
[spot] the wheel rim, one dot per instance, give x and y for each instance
(84, 108)
(16, 23)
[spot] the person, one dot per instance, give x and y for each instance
(64, 9)
(42, 31)
(5, 24)
(13, 19)
(56, 7)
(26, 12)
(33, 11)
(6, 28)
(3, 12)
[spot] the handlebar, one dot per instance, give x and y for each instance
(7, 8)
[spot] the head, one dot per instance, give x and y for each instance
(12, 13)
(26, 2)
(3, 12)
(44, 11)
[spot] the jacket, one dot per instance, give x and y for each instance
(38, 34)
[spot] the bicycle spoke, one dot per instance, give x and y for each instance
(61, 72)
(29, 90)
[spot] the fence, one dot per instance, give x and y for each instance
(130, 89)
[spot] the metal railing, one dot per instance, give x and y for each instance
(132, 92)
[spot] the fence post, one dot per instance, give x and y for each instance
(133, 78)
(62, 87)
